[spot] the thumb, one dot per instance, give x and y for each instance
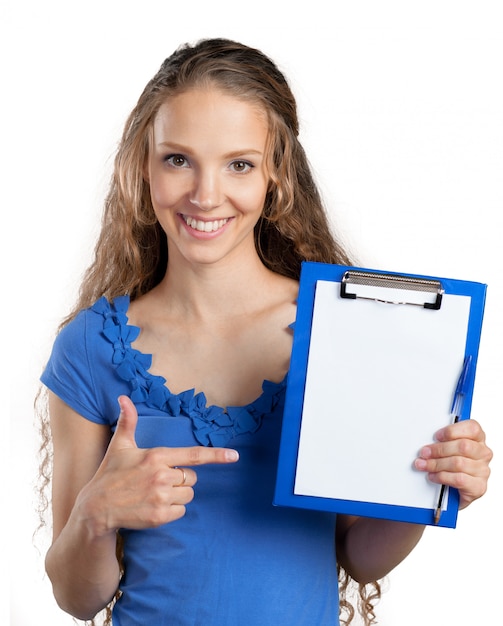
(124, 436)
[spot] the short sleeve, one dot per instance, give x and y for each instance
(68, 372)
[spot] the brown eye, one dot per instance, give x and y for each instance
(241, 167)
(176, 160)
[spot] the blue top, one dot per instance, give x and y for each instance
(234, 558)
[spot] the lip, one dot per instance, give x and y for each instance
(203, 227)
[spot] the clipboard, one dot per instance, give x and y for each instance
(375, 362)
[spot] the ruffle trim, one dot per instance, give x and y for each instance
(212, 425)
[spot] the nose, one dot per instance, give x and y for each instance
(207, 191)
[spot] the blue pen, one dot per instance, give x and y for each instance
(461, 388)
(456, 410)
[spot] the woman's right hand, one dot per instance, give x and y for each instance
(142, 487)
(102, 484)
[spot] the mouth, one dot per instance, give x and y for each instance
(201, 226)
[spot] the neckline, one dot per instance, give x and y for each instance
(212, 424)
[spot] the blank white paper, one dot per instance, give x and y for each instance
(380, 382)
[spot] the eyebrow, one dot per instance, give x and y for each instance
(230, 155)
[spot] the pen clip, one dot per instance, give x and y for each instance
(462, 384)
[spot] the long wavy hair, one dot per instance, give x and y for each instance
(131, 252)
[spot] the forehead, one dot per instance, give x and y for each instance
(204, 115)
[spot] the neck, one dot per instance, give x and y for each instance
(211, 290)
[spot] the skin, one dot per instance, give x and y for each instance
(206, 167)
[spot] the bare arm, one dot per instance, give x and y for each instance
(81, 562)
(101, 485)
(369, 549)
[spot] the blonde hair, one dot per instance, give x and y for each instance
(132, 251)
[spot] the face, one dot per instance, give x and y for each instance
(207, 175)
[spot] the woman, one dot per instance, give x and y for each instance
(185, 318)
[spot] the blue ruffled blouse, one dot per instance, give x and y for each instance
(234, 558)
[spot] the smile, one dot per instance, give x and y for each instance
(204, 227)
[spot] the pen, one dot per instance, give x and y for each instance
(456, 410)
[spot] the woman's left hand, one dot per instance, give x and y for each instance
(459, 458)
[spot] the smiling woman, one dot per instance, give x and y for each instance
(207, 175)
(184, 318)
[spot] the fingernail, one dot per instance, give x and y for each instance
(440, 435)
(420, 464)
(231, 455)
(425, 452)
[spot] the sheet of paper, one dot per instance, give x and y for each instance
(380, 382)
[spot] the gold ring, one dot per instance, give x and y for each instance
(184, 477)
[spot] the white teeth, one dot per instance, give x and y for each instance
(204, 227)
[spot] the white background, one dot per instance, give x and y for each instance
(401, 106)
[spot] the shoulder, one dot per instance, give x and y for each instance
(283, 287)
(283, 293)
(89, 324)
(81, 368)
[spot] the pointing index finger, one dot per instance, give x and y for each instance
(201, 455)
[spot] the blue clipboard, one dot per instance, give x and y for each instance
(375, 362)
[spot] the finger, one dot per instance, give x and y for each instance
(465, 429)
(454, 465)
(471, 485)
(200, 455)
(442, 469)
(461, 447)
(183, 480)
(124, 436)
(185, 477)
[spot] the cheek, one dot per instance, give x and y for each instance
(252, 198)
(162, 194)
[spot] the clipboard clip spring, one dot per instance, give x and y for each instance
(392, 281)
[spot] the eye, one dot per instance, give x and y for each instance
(241, 167)
(176, 160)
